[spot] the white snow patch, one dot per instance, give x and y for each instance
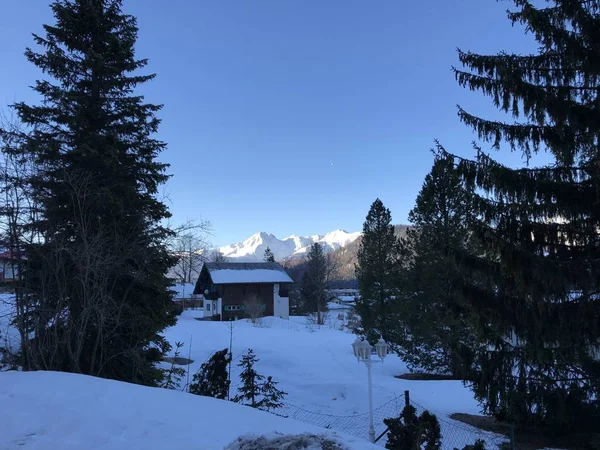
(253, 248)
(315, 365)
(50, 410)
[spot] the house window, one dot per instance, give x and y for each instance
(208, 306)
(234, 307)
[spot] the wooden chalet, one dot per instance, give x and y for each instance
(228, 287)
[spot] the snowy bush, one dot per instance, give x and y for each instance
(410, 431)
(352, 320)
(478, 445)
(212, 380)
(282, 442)
(254, 308)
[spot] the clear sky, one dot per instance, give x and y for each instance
(292, 116)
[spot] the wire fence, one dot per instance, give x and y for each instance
(455, 435)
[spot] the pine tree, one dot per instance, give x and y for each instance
(538, 311)
(431, 329)
(249, 391)
(269, 256)
(174, 374)
(377, 270)
(271, 396)
(212, 380)
(315, 282)
(410, 432)
(96, 276)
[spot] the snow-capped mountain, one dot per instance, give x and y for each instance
(253, 248)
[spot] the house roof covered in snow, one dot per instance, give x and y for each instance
(238, 273)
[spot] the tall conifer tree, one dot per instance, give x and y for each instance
(96, 278)
(377, 270)
(431, 327)
(539, 309)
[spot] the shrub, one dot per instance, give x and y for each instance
(409, 432)
(212, 379)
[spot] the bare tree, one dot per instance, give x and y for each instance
(17, 210)
(254, 308)
(190, 245)
(320, 271)
(217, 257)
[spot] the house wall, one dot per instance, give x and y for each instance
(281, 305)
(237, 294)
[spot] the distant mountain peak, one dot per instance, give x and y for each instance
(253, 248)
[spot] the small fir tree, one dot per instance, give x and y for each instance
(269, 256)
(174, 374)
(212, 379)
(271, 396)
(412, 432)
(255, 391)
(249, 391)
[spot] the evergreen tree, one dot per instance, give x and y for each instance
(377, 270)
(174, 374)
(314, 283)
(538, 311)
(431, 328)
(271, 396)
(212, 380)
(412, 432)
(249, 391)
(269, 256)
(96, 277)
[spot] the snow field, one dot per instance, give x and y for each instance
(51, 410)
(325, 384)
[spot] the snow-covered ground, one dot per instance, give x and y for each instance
(316, 367)
(50, 410)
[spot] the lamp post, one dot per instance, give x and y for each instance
(362, 350)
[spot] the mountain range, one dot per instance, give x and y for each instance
(291, 252)
(292, 247)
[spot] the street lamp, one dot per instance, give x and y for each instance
(362, 350)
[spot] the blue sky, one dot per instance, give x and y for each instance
(292, 116)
